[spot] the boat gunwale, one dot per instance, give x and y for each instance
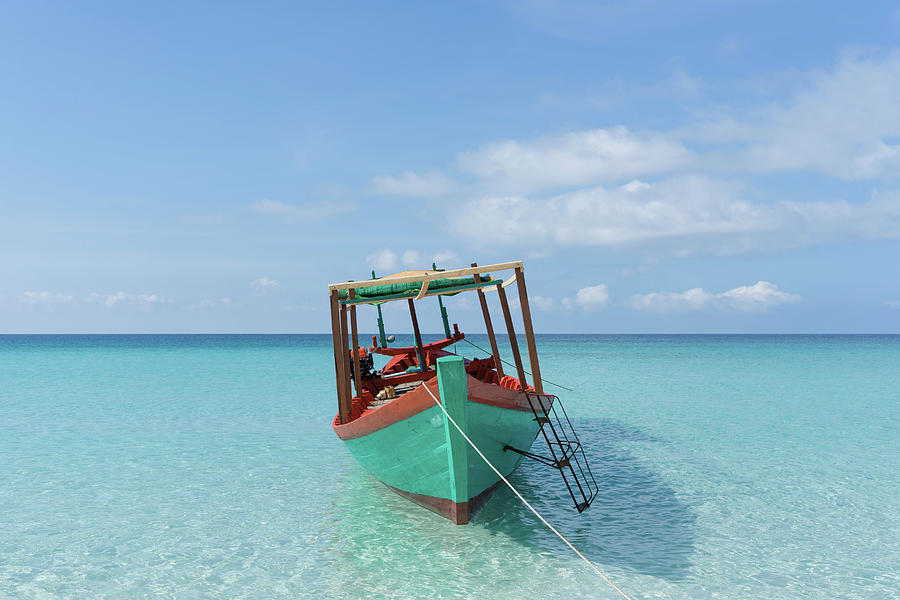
(416, 401)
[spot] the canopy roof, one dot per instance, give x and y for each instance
(417, 284)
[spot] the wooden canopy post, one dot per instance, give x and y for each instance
(444, 318)
(529, 332)
(357, 376)
(495, 351)
(345, 361)
(513, 343)
(420, 352)
(339, 361)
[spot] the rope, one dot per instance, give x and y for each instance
(524, 501)
(509, 364)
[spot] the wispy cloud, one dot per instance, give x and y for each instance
(446, 258)
(841, 123)
(412, 257)
(382, 260)
(409, 183)
(687, 188)
(45, 299)
(696, 213)
(125, 298)
(293, 213)
(757, 297)
(893, 303)
(541, 302)
(386, 259)
(264, 286)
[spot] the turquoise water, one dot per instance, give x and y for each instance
(197, 466)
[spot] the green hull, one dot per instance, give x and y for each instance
(426, 460)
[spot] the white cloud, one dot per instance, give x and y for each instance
(573, 188)
(424, 185)
(841, 122)
(124, 298)
(712, 213)
(893, 303)
(384, 259)
(264, 286)
(412, 258)
(541, 302)
(588, 298)
(577, 158)
(291, 213)
(757, 297)
(692, 299)
(46, 299)
(446, 259)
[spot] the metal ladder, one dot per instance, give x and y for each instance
(566, 452)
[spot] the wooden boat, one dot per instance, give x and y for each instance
(391, 421)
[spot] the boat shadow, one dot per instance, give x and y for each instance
(636, 522)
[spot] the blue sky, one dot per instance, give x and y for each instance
(661, 167)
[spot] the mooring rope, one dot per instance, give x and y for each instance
(509, 364)
(524, 501)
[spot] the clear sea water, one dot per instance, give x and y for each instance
(201, 466)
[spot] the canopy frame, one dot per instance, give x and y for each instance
(343, 355)
(427, 276)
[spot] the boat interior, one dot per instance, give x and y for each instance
(403, 373)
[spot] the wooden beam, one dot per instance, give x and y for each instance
(495, 351)
(430, 276)
(513, 343)
(529, 332)
(345, 356)
(507, 283)
(420, 352)
(338, 361)
(357, 376)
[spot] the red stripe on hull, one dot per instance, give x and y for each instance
(418, 400)
(411, 403)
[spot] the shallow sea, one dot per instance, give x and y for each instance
(199, 466)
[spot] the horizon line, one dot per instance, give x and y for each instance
(441, 333)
